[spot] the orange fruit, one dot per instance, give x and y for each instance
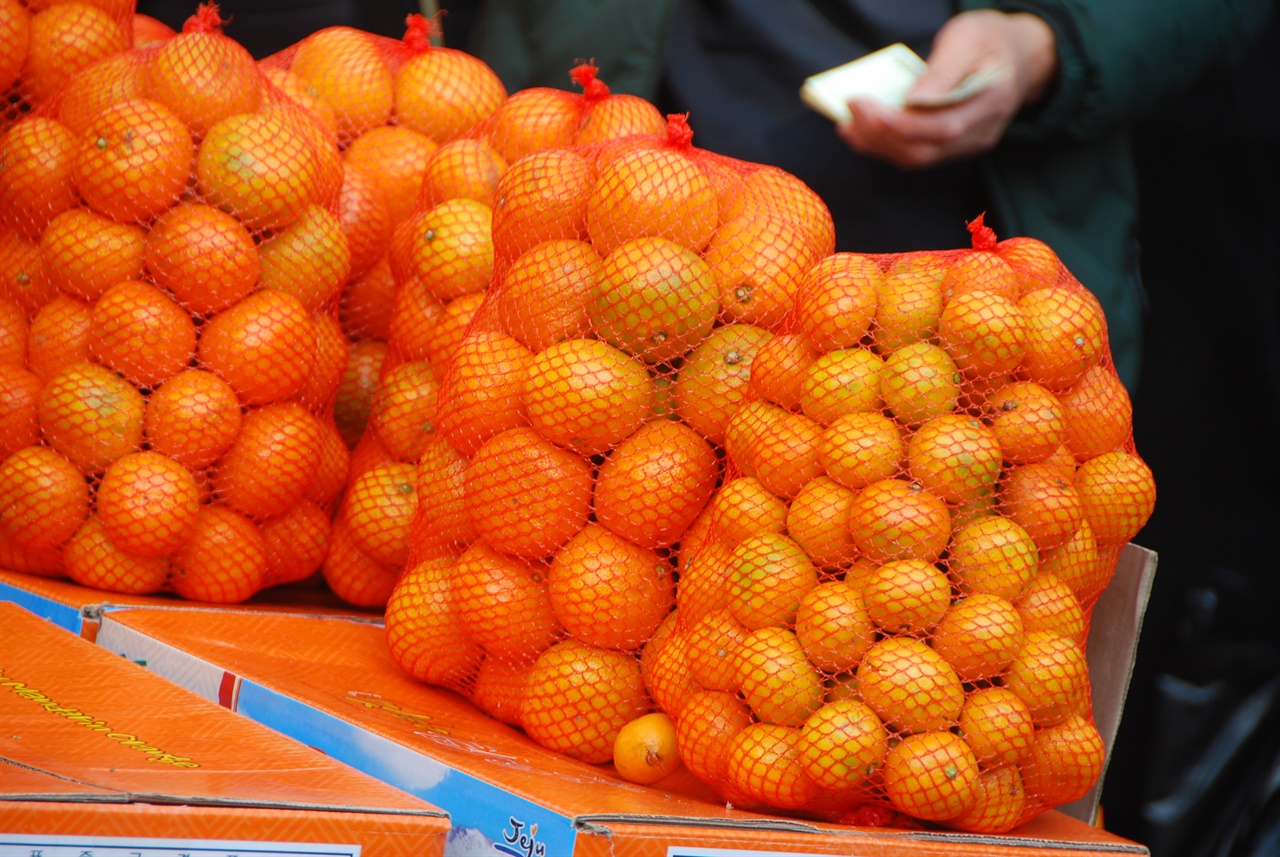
(860, 448)
(1063, 762)
(704, 581)
(1066, 335)
(541, 197)
(134, 160)
(64, 39)
(608, 592)
(503, 603)
(817, 519)
(744, 507)
(223, 561)
(586, 395)
(705, 727)
(655, 483)
(920, 381)
(664, 665)
(892, 519)
(931, 776)
(394, 157)
(59, 336)
(415, 331)
(328, 363)
(262, 346)
(769, 190)
(467, 167)
(909, 300)
(443, 93)
(296, 543)
(203, 76)
(270, 465)
(542, 297)
(654, 299)
(646, 193)
(365, 216)
(983, 331)
(776, 679)
(43, 498)
(837, 301)
(619, 115)
(379, 508)
(140, 332)
(442, 490)
(365, 308)
(346, 68)
(997, 725)
(714, 642)
(1117, 494)
(842, 744)
(1032, 260)
(778, 447)
(19, 416)
(204, 256)
(353, 401)
(91, 415)
(1078, 563)
(779, 369)
(37, 178)
(147, 504)
(354, 576)
(906, 596)
(578, 698)
(712, 382)
(297, 91)
(149, 31)
(769, 574)
(497, 689)
(403, 411)
(1051, 676)
(424, 632)
(262, 168)
(193, 418)
(1097, 413)
(756, 262)
(527, 496)
(44, 562)
(483, 391)
(998, 803)
(980, 270)
(92, 559)
(955, 457)
(1028, 421)
(1049, 606)
(15, 35)
(331, 473)
(308, 259)
(992, 555)
(645, 749)
(538, 117)
(979, 635)
(910, 687)
(22, 277)
(840, 382)
(1043, 502)
(13, 334)
(834, 626)
(763, 761)
(85, 253)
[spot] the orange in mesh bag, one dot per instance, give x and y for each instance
(927, 487)
(580, 424)
(172, 265)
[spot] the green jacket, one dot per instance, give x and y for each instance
(1064, 172)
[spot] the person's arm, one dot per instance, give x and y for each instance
(981, 40)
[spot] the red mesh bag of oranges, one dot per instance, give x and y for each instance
(578, 421)
(927, 488)
(172, 261)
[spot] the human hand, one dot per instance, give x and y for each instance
(981, 40)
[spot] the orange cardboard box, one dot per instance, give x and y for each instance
(331, 683)
(79, 608)
(100, 756)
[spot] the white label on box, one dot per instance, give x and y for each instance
(29, 845)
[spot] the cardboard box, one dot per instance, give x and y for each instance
(332, 684)
(79, 608)
(98, 755)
